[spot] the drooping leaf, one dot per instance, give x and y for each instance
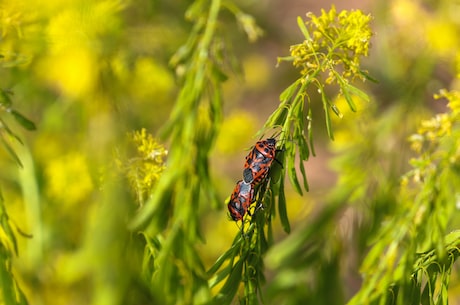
(230, 288)
(304, 175)
(5, 99)
(8, 130)
(11, 152)
(23, 121)
(288, 93)
(7, 288)
(282, 210)
(359, 93)
(5, 224)
(303, 28)
(368, 77)
(227, 255)
(310, 133)
(326, 104)
(220, 276)
(349, 99)
(292, 174)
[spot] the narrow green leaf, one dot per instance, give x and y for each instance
(5, 127)
(282, 210)
(444, 294)
(9, 233)
(227, 255)
(270, 237)
(348, 98)
(276, 169)
(283, 58)
(326, 104)
(293, 176)
(20, 295)
(8, 287)
(230, 288)
(219, 74)
(304, 151)
(289, 91)
(310, 133)
(370, 261)
(5, 99)
(277, 117)
(304, 175)
(195, 10)
(358, 93)
(453, 238)
(162, 194)
(262, 239)
(23, 121)
(11, 152)
(220, 276)
(367, 76)
(303, 28)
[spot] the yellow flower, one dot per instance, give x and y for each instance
(231, 139)
(337, 40)
(443, 38)
(77, 37)
(67, 178)
(146, 166)
(73, 71)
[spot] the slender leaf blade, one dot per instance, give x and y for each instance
(282, 210)
(326, 104)
(11, 152)
(361, 94)
(348, 98)
(5, 99)
(230, 288)
(219, 262)
(304, 175)
(23, 121)
(292, 174)
(8, 130)
(367, 76)
(303, 28)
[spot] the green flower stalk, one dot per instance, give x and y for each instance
(330, 55)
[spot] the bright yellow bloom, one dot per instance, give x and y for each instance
(68, 180)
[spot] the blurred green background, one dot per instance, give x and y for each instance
(90, 72)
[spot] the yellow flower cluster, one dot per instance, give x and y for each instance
(68, 178)
(336, 40)
(437, 141)
(144, 169)
(432, 131)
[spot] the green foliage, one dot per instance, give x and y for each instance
(11, 292)
(330, 55)
(413, 264)
(94, 71)
(170, 218)
(410, 260)
(6, 133)
(337, 43)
